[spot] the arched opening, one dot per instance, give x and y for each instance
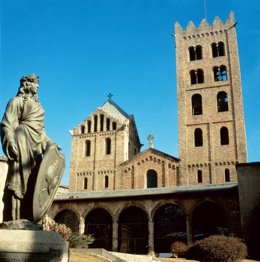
(198, 137)
(101, 122)
(199, 176)
(151, 177)
(227, 175)
(133, 231)
(221, 49)
(200, 76)
(169, 226)
(222, 100)
(196, 101)
(114, 125)
(106, 181)
(85, 183)
(224, 136)
(95, 123)
(108, 124)
(99, 224)
(192, 53)
(108, 146)
(69, 218)
(89, 126)
(82, 129)
(220, 73)
(208, 219)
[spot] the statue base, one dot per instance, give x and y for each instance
(33, 246)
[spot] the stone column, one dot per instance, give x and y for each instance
(189, 229)
(115, 237)
(81, 225)
(150, 236)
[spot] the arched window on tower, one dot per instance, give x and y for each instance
(199, 176)
(220, 73)
(85, 183)
(224, 136)
(95, 123)
(218, 49)
(89, 126)
(114, 125)
(106, 181)
(227, 175)
(196, 101)
(108, 146)
(195, 52)
(151, 178)
(222, 101)
(198, 137)
(197, 76)
(82, 129)
(108, 124)
(88, 148)
(101, 122)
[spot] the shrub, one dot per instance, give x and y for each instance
(80, 241)
(178, 249)
(50, 225)
(217, 249)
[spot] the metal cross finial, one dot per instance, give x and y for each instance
(150, 139)
(109, 96)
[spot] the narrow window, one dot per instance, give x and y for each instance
(193, 77)
(108, 146)
(200, 76)
(196, 101)
(82, 129)
(151, 177)
(222, 101)
(214, 49)
(95, 123)
(85, 184)
(101, 123)
(195, 53)
(89, 126)
(108, 124)
(192, 53)
(198, 138)
(221, 49)
(114, 125)
(224, 137)
(218, 49)
(227, 175)
(196, 77)
(198, 52)
(223, 73)
(106, 181)
(88, 148)
(199, 176)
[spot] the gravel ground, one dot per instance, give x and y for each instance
(83, 257)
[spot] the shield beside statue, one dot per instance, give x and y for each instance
(47, 182)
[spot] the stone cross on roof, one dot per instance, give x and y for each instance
(109, 96)
(150, 139)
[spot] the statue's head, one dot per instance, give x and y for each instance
(28, 85)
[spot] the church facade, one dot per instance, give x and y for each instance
(139, 201)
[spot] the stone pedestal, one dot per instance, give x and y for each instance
(33, 246)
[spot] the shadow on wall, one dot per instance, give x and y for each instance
(249, 201)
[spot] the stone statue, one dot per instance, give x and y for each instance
(25, 144)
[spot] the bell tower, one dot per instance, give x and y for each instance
(210, 109)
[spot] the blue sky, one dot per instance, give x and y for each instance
(83, 50)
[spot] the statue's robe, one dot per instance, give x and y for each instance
(22, 125)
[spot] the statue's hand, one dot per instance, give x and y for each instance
(13, 152)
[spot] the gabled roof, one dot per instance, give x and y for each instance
(154, 152)
(111, 108)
